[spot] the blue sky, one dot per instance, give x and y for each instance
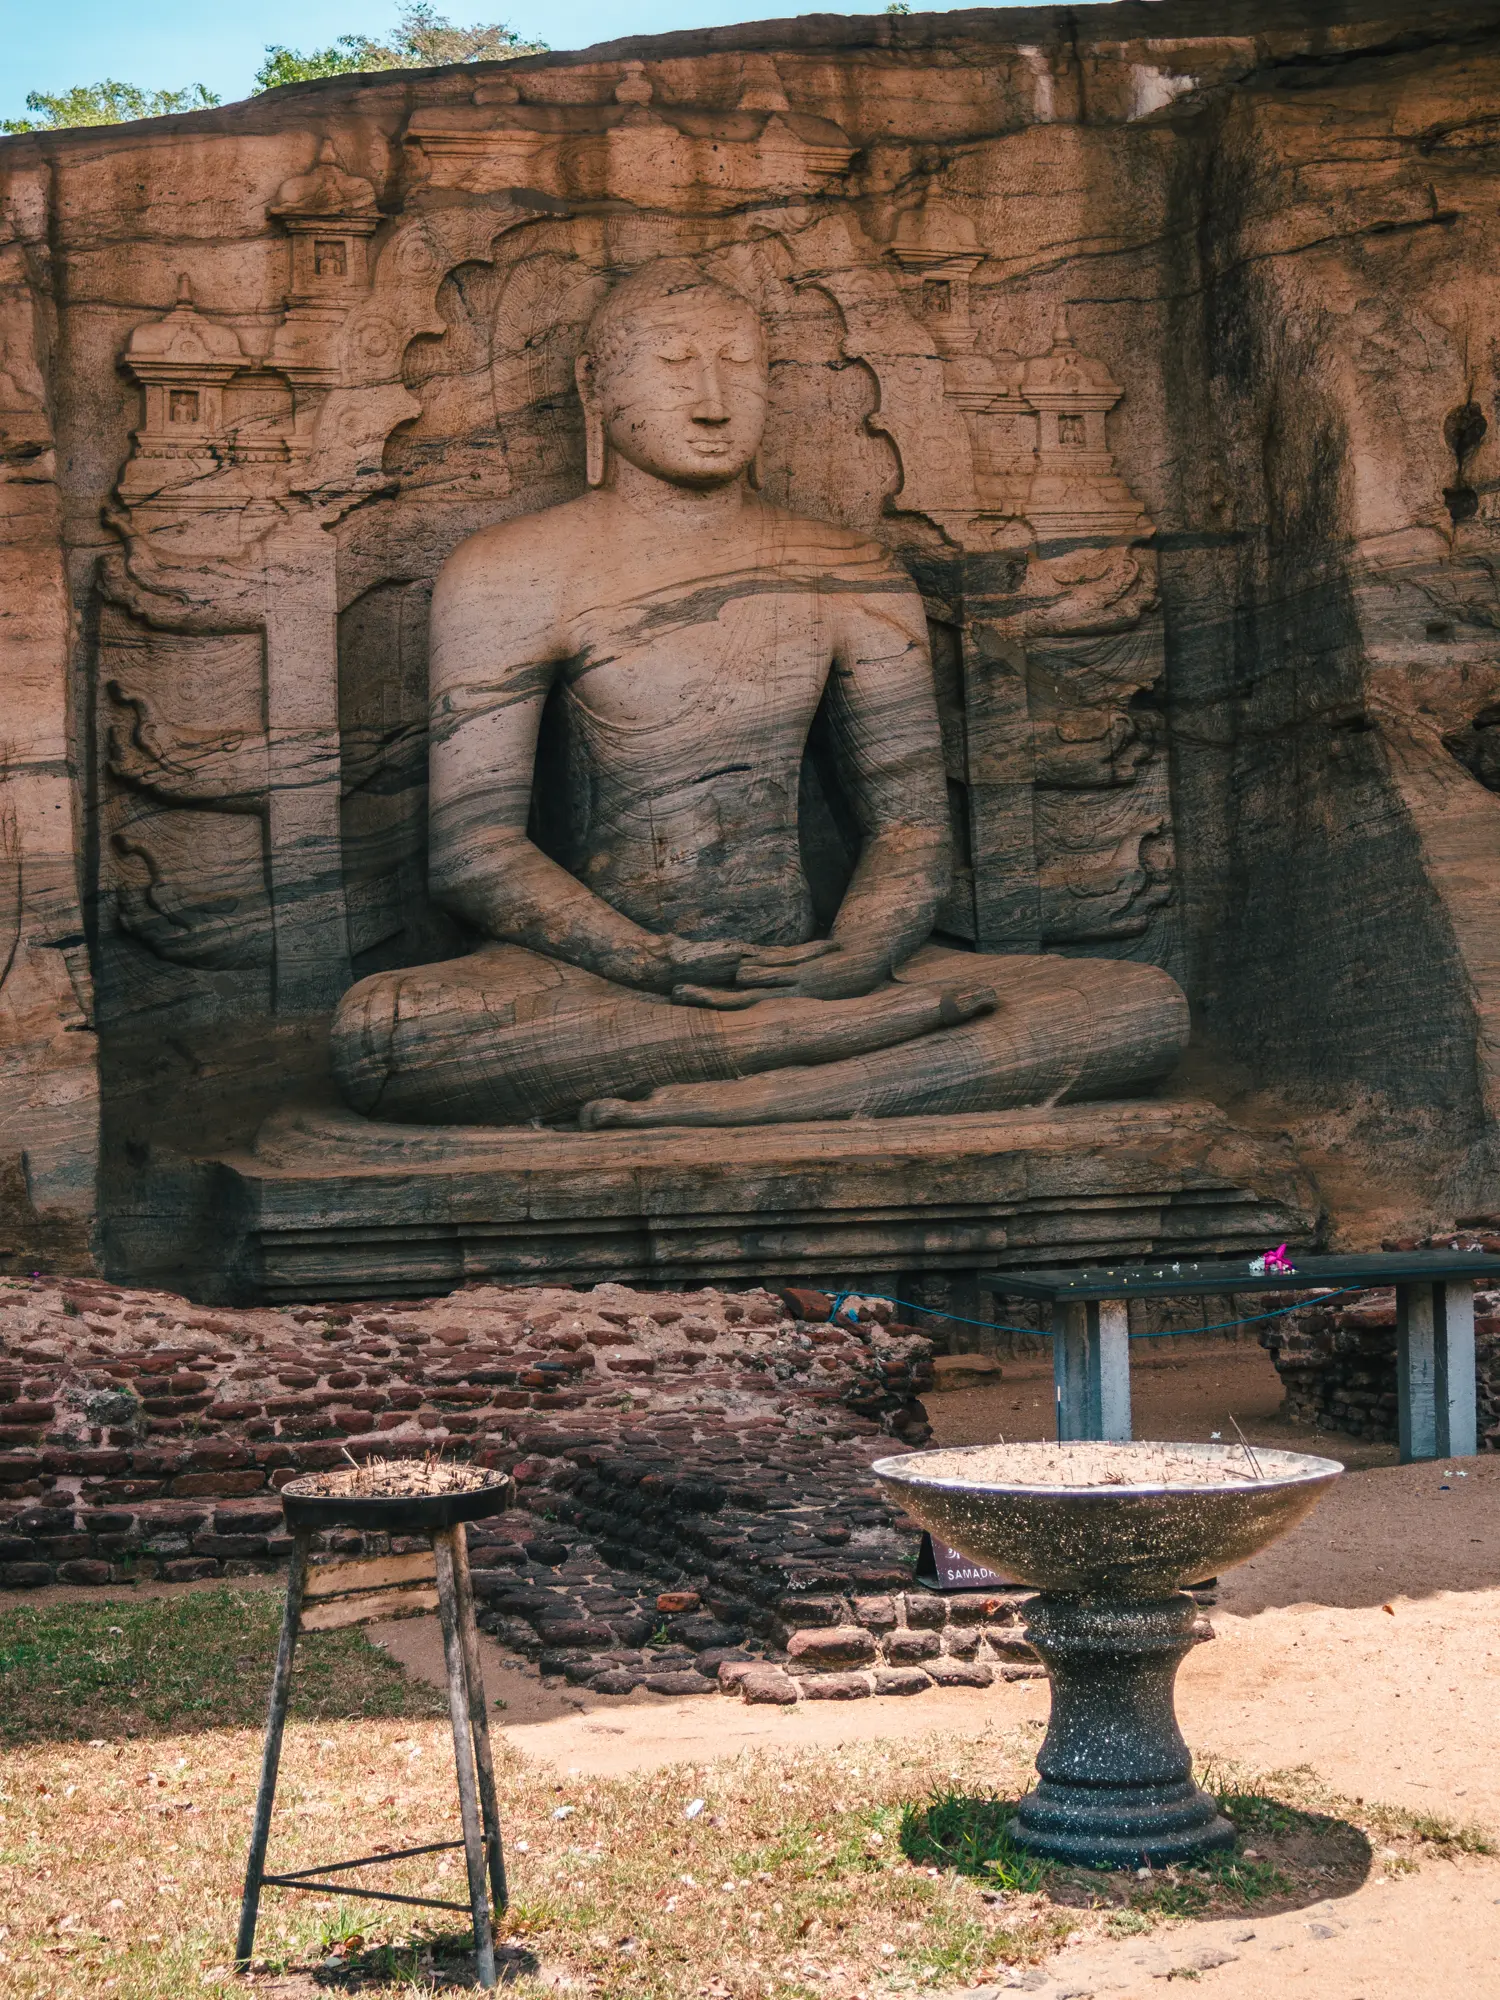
(164, 44)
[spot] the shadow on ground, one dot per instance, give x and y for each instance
(1285, 1857)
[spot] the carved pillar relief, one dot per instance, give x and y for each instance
(1070, 815)
(225, 539)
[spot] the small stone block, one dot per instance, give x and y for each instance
(1016, 1671)
(688, 1682)
(876, 1614)
(844, 1645)
(926, 1611)
(615, 1680)
(800, 1612)
(981, 1607)
(901, 1680)
(675, 1602)
(965, 1371)
(84, 1571)
(768, 1684)
(190, 1570)
(904, 1649)
(834, 1687)
(951, 1673)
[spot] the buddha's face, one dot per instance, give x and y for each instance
(681, 387)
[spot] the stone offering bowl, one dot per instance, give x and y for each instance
(1109, 1534)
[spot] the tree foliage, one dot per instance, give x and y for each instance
(423, 39)
(106, 103)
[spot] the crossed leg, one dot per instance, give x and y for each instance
(1064, 1028)
(505, 1036)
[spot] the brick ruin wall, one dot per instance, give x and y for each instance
(1337, 1363)
(695, 1502)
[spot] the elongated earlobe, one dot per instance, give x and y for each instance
(753, 474)
(595, 451)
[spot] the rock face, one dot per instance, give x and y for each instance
(1146, 342)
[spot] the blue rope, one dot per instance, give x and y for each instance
(1045, 1332)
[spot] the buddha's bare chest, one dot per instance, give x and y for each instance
(674, 674)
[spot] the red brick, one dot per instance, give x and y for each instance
(768, 1684)
(25, 1575)
(906, 1649)
(126, 1489)
(675, 1601)
(843, 1645)
(29, 1413)
(220, 1457)
(86, 1462)
(229, 1545)
(804, 1303)
(355, 1422)
(22, 1434)
(83, 1572)
(190, 1569)
(221, 1485)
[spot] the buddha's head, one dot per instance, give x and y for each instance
(672, 376)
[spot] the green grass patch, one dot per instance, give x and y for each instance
(971, 1835)
(200, 1660)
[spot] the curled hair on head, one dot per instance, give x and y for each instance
(656, 283)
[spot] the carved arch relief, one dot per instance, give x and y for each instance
(244, 462)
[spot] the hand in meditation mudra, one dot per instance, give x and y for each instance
(669, 975)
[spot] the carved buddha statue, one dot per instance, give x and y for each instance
(669, 973)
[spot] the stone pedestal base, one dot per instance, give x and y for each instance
(329, 1205)
(1116, 1785)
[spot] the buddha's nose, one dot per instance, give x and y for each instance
(708, 404)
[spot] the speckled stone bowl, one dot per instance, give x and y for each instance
(1140, 1538)
(1108, 1534)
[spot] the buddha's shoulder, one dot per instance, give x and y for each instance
(526, 550)
(820, 544)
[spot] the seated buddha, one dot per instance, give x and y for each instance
(666, 970)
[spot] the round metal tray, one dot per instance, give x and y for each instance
(395, 1513)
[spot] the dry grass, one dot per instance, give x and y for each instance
(867, 1871)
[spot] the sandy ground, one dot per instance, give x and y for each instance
(1308, 1668)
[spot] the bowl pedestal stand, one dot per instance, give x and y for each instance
(1116, 1784)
